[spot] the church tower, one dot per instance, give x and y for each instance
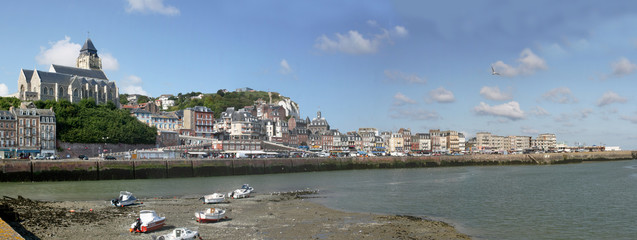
(88, 58)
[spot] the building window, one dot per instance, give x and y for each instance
(45, 91)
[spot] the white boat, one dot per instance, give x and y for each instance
(125, 198)
(148, 221)
(180, 234)
(210, 215)
(214, 198)
(243, 192)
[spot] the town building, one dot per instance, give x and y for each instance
(166, 101)
(545, 142)
(85, 80)
(318, 125)
(406, 133)
(8, 144)
(35, 130)
(200, 120)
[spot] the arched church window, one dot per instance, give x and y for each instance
(61, 92)
(51, 91)
(45, 91)
(75, 93)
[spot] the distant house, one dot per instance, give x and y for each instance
(245, 89)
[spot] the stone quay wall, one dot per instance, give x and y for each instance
(77, 170)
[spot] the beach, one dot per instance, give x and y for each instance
(262, 216)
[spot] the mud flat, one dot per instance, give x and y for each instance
(263, 216)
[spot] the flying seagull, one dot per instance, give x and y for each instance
(493, 72)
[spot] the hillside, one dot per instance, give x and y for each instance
(217, 102)
(86, 122)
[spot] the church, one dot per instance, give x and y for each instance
(86, 80)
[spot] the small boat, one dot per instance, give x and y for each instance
(147, 221)
(210, 215)
(243, 192)
(180, 234)
(125, 198)
(214, 198)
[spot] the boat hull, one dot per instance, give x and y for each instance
(204, 218)
(150, 226)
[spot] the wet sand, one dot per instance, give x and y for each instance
(262, 216)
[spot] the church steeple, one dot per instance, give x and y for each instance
(88, 47)
(88, 58)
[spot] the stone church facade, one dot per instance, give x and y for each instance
(86, 80)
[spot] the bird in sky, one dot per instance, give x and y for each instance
(493, 72)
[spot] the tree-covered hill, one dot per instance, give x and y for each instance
(86, 122)
(218, 102)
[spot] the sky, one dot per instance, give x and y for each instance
(507, 67)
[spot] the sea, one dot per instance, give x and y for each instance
(592, 200)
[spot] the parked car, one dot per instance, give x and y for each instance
(39, 157)
(82, 157)
(109, 157)
(52, 157)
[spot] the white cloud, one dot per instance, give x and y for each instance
(494, 93)
(62, 52)
(623, 67)
(353, 42)
(632, 119)
(510, 110)
(400, 76)
(539, 111)
(414, 114)
(529, 63)
(133, 85)
(560, 95)
(577, 115)
(151, 6)
(4, 90)
(109, 62)
(584, 113)
(400, 31)
(609, 98)
(442, 95)
(285, 67)
(400, 99)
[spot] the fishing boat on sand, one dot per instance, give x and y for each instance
(214, 198)
(179, 234)
(125, 198)
(243, 192)
(210, 215)
(147, 221)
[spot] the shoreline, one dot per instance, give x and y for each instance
(262, 216)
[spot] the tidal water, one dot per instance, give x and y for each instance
(575, 201)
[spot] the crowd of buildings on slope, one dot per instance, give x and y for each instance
(29, 131)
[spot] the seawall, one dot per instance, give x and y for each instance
(77, 170)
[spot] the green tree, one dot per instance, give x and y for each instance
(7, 102)
(142, 99)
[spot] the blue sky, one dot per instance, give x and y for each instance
(565, 67)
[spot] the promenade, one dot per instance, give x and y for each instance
(74, 170)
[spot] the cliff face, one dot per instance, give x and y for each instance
(291, 108)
